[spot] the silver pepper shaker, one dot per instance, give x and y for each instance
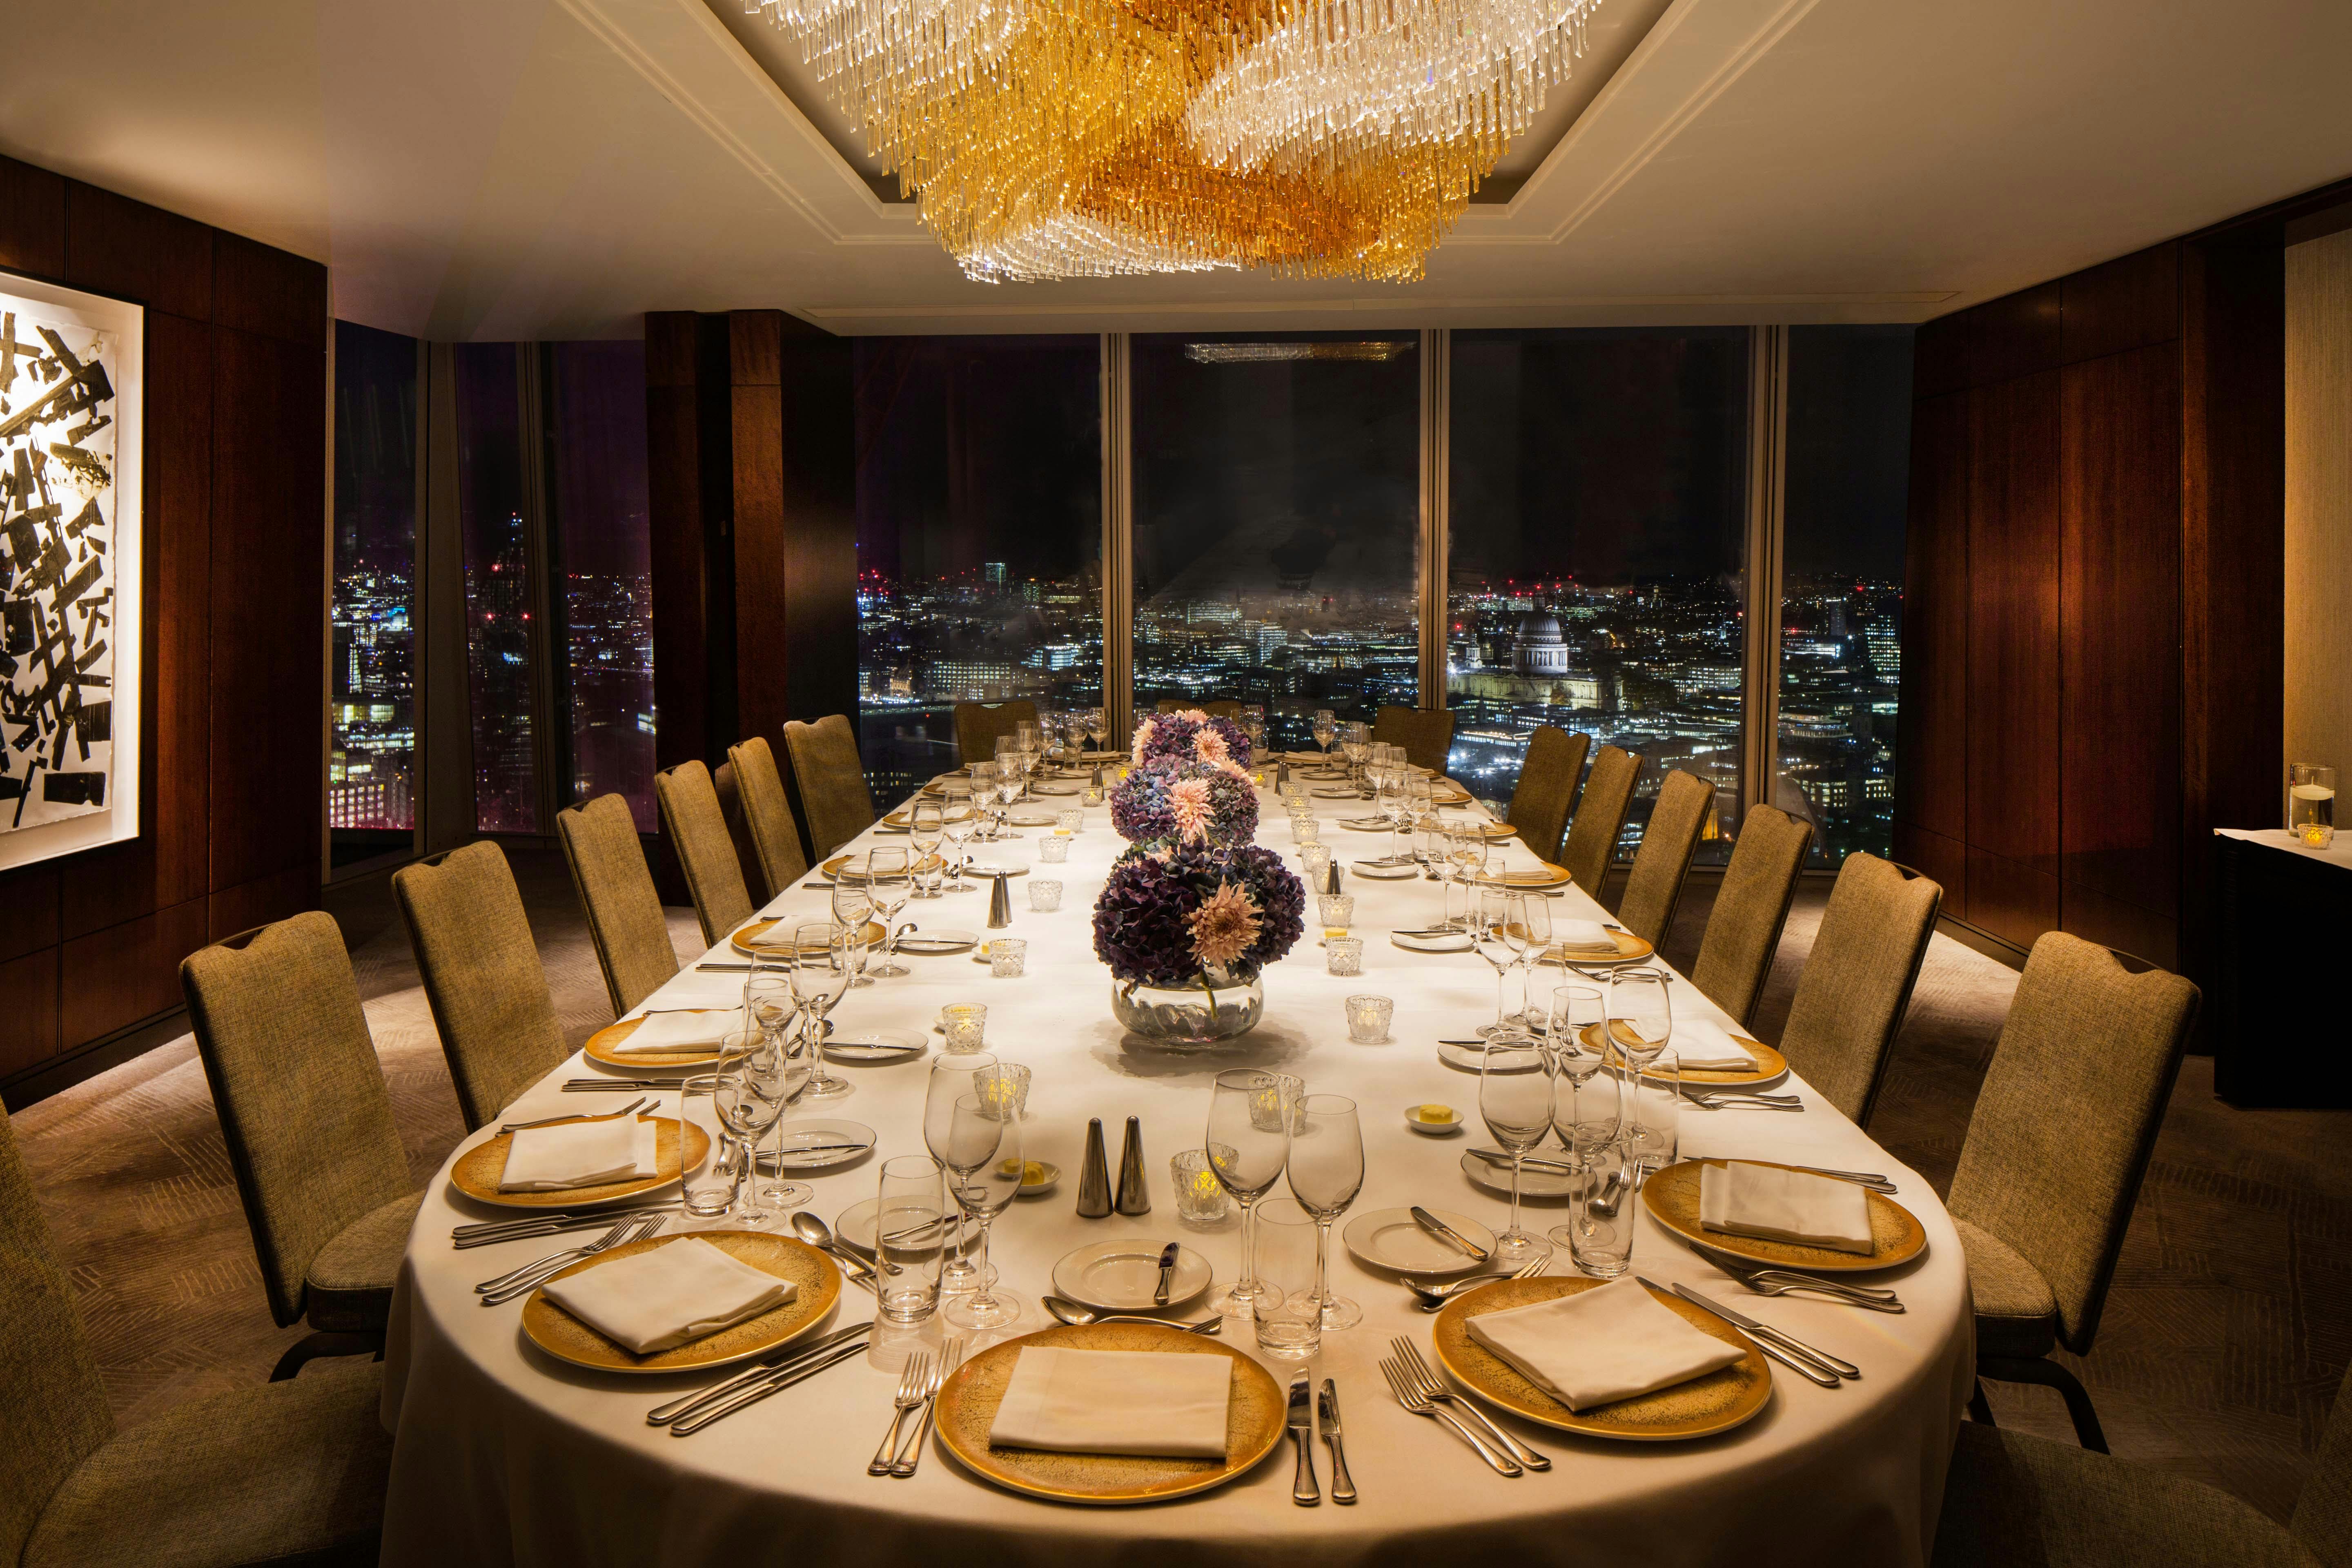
(1094, 1177)
(1000, 903)
(1133, 1199)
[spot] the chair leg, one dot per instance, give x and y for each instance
(2050, 1375)
(1980, 1409)
(312, 1346)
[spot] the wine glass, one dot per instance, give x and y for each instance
(1095, 727)
(1588, 1102)
(1515, 1097)
(957, 830)
(1247, 1145)
(952, 1078)
(1327, 1172)
(888, 884)
(1641, 1022)
(1530, 934)
(852, 905)
(1355, 739)
(747, 1111)
(984, 1153)
(779, 1070)
(1493, 912)
(1326, 730)
(1008, 790)
(825, 960)
(926, 826)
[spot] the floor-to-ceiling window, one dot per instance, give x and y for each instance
(979, 538)
(1275, 522)
(1848, 466)
(492, 521)
(1597, 518)
(372, 768)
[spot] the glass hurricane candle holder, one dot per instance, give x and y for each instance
(1344, 954)
(1044, 896)
(1199, 1197)
(2311, 805)
(1367, 1019)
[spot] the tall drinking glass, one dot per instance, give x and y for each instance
(1248, 1151)
(707, 1190)
(984, 1153)
(1601, 1214)
(1515, 1097)
(1327, 1172)
(952, 1078)
(910, 1237)
(825, 959)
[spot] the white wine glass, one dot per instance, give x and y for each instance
(952, 1078)
(1247, 1144)
(1515, 1099)
(1493, 912)
(985, 1156)
(889, 883)
(1327, 1172)
(926, 826)
(825, 960)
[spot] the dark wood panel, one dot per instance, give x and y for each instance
(2120, 615)
(2015, 335)
(766, 652)
(1944, 860)
(820, 522)
(29, 1011)
(270, 294)
(2013, 647)
(269, 621)
(755, 348)
(262, 901)
(2013, 902)
(32, 221)
(1939, 356)
(2117, 923)
(114, 978)
(673, 518)
(29, 908)
(1932, 742)
(116, 245)
(2126, 303)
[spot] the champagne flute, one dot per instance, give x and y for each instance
(1327, 1172)
(1641, 1022)
(825, 959)
(1515, 1097)
(952, 1078)
(1248, 1143)
(889, 884)
(984, 1153)
(926, 826)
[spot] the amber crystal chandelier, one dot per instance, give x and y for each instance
(1094, 138)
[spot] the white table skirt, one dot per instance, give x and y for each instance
(503, 1455)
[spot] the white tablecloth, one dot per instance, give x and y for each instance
(503, 1455)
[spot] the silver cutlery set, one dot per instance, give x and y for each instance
(919, 1389)
(1310, 1408)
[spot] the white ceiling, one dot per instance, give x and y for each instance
(496, 169)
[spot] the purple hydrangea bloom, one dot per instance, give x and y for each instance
(1164, 736)
(1141, 811)
(1142, 930)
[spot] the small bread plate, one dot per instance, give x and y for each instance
(814, 1145)
(1545, 1180)
(875, 1046)
(1451, 941)
(1122, 1276)
(1896, 1236)
(479, 1169)
(816, 1286)
(855, 1225)
(1379, 872)
(1030, 819)
(938, 943)
(1038, 1177)
(747, 941)
(1392, 1239)
(1434, 1120)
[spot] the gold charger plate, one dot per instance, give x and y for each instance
(902, 817)
(1770, 1064)
(1895, 1233)
(832, 870)
(1549, 877)
(1631, 948)
(967, 1408)
(603, 1046)
(566, 1338)
(1700, 1408)
(756, 929)
(478, 1171)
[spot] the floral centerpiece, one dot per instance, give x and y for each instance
(1190, 735)
(1186, 928)
(1192, 802)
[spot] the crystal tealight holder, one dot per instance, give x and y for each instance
(1199, 1197)
(1367, 1019)
(1008, 957)
(1044, 896)
(1344, 954)
(1306, 829)
(1068, 821)
(1053, 848)
(963, 1024)
(1338, 912)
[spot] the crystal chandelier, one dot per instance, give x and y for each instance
(1054, 139)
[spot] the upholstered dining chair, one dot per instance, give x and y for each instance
(1541, 801)
(1654, 886)
(2010, 1498)
(768, 818)
(2055, 1149)
(309, 1125)
(482, 975)
(978, 725)
(1427, 736)
(697, 836)
(1856, 984)
(1751, 908)
(1599, 817)
(834, 800)
(268, 1473)
(616, 890)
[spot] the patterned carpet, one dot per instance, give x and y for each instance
(2228, 1329)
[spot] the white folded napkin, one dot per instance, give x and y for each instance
(1602, 1345)
(579, 1155)
(665, 1296)
(677, 1031)
(1710, 1047)
(1582, 936)
(1785, 1206)
(1116, 1402)
(779, 935)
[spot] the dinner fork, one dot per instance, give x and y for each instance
(640, 1103)
(535, 1275)
(1436, 1296)
(1707, 1101)
(1412, 1399)
(950, 1357)
(1431, 1388)
(912, 1382)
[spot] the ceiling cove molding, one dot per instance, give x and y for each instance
(1401, 308)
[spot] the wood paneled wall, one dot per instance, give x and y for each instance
(234, 636)
(2074, 722)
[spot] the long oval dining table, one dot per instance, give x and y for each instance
(503, 1455)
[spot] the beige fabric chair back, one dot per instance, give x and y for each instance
(766, 814)
(1857, 982)
(617, 889)
(1427, 737)
(52, 1404)
(1601, 817)
(697, 836)
(1547, 788)
(1668, 841)
(482, 976)
(978, 724)
(1751, 906)
(831, 780)
(2322, 1514)
(299, 1090)
(2060, 1138)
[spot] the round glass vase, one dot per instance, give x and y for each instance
(1215, 1006)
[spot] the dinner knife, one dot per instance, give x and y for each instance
(1301, 1421)
(1327, 1410)
(1796, 1364)
(1445, 1232)
(687, 1405)
(1788, 1341)
(778, 1380)
(1556, 1167)
(1167, 1275)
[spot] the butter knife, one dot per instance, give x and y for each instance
(1766, 1334)
(1327, 1410)
(1301, 1422)
(1167, 1275)
(1445, 1232)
